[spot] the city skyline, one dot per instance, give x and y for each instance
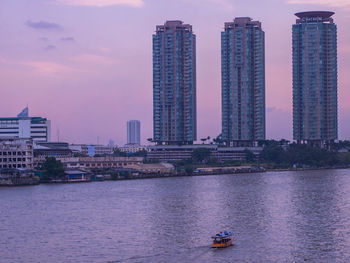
(50, 55)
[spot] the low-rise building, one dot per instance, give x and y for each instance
(91, 149)
(173, 153)
(132, 148)
(76, 176)
(153, 168)
(16, 153)
(87, 163)
(52, 149)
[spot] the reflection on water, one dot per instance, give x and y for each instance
(276, 217)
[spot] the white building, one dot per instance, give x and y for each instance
(132, 148)
(25, 127)
(16, 153)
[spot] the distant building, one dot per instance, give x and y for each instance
(153, 168)
(132, 148)
(76, 176)
(24, 127)
(174, 84)
(173, 153)
(133, 132)
(243, 82)
(87, 163)
(16, 153)
(111, 143)
(90, 149)
(315, 85)
(52, 149)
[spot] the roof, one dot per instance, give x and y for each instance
(21, 118)
(74, 172)
(324, 14)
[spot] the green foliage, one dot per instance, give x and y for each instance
(201, 155)
(53, 169)
(188, 169)
(272, 152)
(119, 153)
(301, 155)
(249, 156)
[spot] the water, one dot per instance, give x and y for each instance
(275, 217)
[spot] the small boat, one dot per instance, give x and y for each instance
(222, 239)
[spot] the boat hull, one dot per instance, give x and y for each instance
(222, 245)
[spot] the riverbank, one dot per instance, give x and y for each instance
(308, 168)
(19, 181)
(10, 182)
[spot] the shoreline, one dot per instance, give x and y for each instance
(155, 176)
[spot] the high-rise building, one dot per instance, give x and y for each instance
(133, 132)
(243, 82)
(25, 127)
(174, 84)
(315, 78)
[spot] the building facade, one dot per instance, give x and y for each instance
(243, 82)
(174, 153)
(133, 132)
(87, 163)
(16, 154)
(174, 84)
(24, 127)
(315, 78)
(90, 149)
(132, 148)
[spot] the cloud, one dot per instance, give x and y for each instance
(50, 47)
(43, 39)
(67, 39)
(331, 3)
(93, 59)
(102, 3)
(103, 49)
(223, 4)
(43, 25)
(48, 68)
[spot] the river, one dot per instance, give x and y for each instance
(275, 216)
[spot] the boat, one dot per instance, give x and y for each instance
(222, 239)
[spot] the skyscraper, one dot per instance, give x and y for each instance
(174, 84)
(243, 82)
(133, 132)
(315, 78)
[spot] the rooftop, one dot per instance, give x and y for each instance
(323, 14)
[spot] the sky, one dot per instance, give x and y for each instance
(87, 64)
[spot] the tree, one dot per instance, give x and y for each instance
(201, 155)
(249, 156)
(272, 152)
(119, 153)
(53, 169)
(218, 139)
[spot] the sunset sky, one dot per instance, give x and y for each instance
(87, 64)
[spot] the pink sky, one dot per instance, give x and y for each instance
(87, 64)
